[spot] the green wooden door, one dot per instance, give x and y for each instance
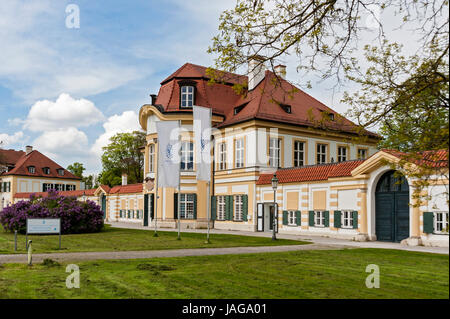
(391, 208)
(103, 199)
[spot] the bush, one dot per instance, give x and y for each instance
(76, 216)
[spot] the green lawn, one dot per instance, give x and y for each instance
(302, 274)
(117, 239)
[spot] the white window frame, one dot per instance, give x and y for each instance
(275, 152)
(31, 169)
(347, 218)
(342, 153)
(321, 153)
(221, 208)
(151, 158)
(238, 207)
(70, 187)
(292, 221)
(443, 223)
(186, 206)
(362, 150)
(319, 218)
(186, 156)
(239, 153)
(222, 156)
(187, 96)
(299, 154)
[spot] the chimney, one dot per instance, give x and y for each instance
(124, 179)
(153, 96)
(256, 71)
(28, 149)
(280, 71)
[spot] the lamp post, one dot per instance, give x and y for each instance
(275, 210)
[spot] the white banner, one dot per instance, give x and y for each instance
(168, 153)
(202, 138)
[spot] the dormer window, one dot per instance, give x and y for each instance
(286, 108)
(239, 108)
(328, 115)
(31, 169)
(187, 96)
(46, 170)
(61, 172)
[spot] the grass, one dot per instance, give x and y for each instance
(117, 239)
(309, 274)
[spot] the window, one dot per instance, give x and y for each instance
(151, 158)
(321, 153)
(187, 96)
(46, 170)
(61, 172)
(187, 156)
(441, 222)
(70, 187)
(299, 154)
(187, 206)
(347, 219)
(59, 187)
(222, 156)
(220, 207)
(287, 108)
(342, 154)
(239, 152)
(5, 187)
(31, 169)
(362, 153)
(46, 187)
(291, 218)
(319, 218)
(238, 207)
(274, 152)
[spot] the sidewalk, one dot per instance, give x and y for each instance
(22, 258)
(315, 239)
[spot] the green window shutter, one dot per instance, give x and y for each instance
(355, 219)
(327, 218)
(175, 205)
(213, 207)
(311, 218)
(337, 219)
(195, 205)
(244, 207)
(229, 207)
(152, 205)
(129, 212)
(428, 222)
(285, 217)
(120, 213)
(298, 218)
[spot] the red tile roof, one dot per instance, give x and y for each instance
(311, 173)
(39, 161)
(127, 189)
(259, 102)
(436, 158)
(10, 156)
(77, 193)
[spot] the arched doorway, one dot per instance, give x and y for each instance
(392, 207)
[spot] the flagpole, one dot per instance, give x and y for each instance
(208, 188)
(179, 182)
(156, 191)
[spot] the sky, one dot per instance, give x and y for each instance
(67, 90)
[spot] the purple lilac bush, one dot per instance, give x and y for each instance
(76, 216)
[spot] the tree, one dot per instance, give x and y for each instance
(76, 169)
(405, 95)
(325, 34)
(123, 155)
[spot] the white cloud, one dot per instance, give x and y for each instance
(62, 143)
(126, 122)
(66, 111)
(45, 59)
(7, 140)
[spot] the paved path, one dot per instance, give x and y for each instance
(320, 240)
(22, 258)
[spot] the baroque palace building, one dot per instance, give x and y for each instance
(333, 181)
